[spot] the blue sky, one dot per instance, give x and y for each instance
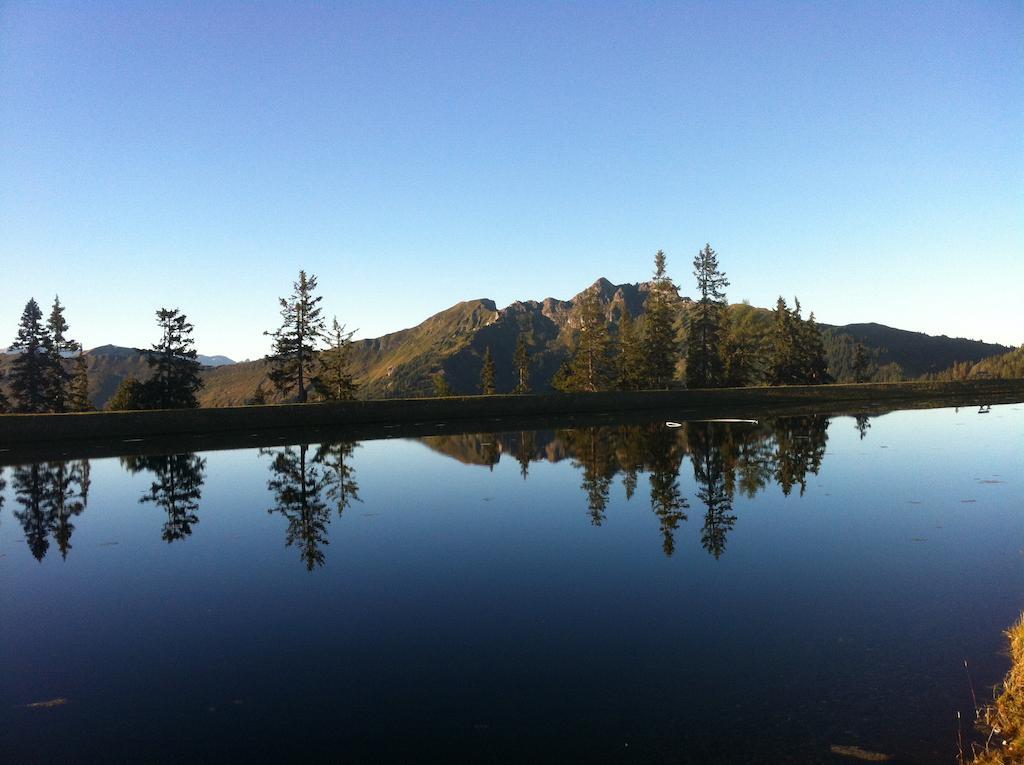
(868, 158)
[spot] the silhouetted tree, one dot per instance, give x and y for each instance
(174, 379)
(334, 381)
(487, 386)
(177, 489)
(78, 388)
(5, 403)
(297, 484)
(293, 355)
(521, 360)
(661, 348)
(704, 366)
(32, 368)
(57, 378)
(591, 367)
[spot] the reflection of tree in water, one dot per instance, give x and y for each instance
(863, 423)
(50, 495)
(799, 449)
(297, 484)
(69, 496)
(708, 443)
(593, 451)
(342, 488)
(660, 447)
(302, 485)
(177, 489)
(728, 458)
(525, 447)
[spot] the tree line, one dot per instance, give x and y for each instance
(671, 343)
(311, 484)
(668, 344)
(50, 374)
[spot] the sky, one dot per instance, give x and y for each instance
(865, 157)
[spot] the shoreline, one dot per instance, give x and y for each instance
(109, 433)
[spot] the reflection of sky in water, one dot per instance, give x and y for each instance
(462, 610)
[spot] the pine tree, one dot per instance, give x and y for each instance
(175, 372)
(78, 388)
(521, 359)
(591, 367)
(30, 370)
(704, 366)
(487, 386)
(293, 356)
(813, 365)
(629, 361)
(782, 363)
(797, 349)
(661, 347)
(57, 377)
(334, 380)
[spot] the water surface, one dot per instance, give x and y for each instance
(729, 592)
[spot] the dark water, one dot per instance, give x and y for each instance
(710, 593)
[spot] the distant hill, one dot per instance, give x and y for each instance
(213, 361)
(452, 343)
(917, 352)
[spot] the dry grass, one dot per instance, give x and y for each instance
(1002, 721)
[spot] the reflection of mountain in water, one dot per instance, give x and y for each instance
(725, 457)
(308, 483)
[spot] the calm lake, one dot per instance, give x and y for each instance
(715, 592)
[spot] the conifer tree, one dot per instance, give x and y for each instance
(629, 361)
(334, 380)
(660, 345)
(293, 355)
(30, 370)
(782, 359)
(521, 359)
(78, 387)
(487, 386)
(704, 367)
(797, 349)
(57, 376)
(175, 372)
(591, 368)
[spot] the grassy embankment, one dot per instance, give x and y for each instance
(1002, 721)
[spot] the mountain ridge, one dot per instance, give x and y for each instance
(451, 343)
